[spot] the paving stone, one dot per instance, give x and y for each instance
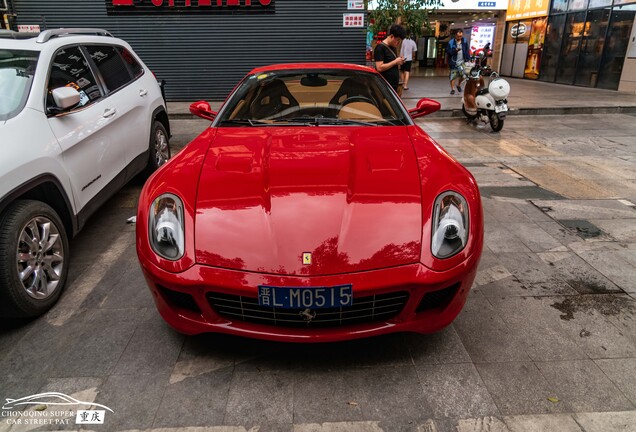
(261, 397)
(587, 209)
(534, 322)
(607, 422)
(583, 386)
(134, 399)
(541, 423)
(519, 388)
(499, 238)
(359, 395)
(455, 390)
(437, 348)
(96, 351)
(151, 336)
(617, 266)
(583, 277)
(195, 401)
(486, 337)
(622, 372)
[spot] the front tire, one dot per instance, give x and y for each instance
(495, 122)
(159, 146)
(34, 255)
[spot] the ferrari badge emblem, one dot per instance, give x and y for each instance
(306, 258)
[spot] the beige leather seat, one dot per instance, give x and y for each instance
(363, 111)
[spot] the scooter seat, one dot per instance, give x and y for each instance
(482, 91)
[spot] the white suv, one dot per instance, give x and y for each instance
(80, 115)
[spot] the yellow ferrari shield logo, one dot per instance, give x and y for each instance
(306, 258)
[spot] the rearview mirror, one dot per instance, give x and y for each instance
(65, 97)
(202, 109)
(424, 107)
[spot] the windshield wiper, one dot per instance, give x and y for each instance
(318, 121)
(249, 122)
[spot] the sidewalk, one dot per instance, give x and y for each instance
(526, 98)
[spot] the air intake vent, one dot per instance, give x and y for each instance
(438, 299)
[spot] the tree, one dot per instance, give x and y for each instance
(411, 14)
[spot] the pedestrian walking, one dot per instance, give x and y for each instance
(457, 51)
(387, 62)
(408, 50)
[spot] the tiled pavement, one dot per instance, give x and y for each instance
(546, 342)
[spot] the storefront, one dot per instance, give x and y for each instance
(203, 47)
(583, 42)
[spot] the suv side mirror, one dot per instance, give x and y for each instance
(424, 107)
(65, 98)
(202, 109)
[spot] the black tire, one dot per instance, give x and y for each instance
(16, 300)
(158, 155)
(495, 122)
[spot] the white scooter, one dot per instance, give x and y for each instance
(488, 104)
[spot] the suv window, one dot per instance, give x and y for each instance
(110, 64)
(16, 75)
(136, 69)
(70, 69)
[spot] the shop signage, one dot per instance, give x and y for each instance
(522, 9)
(353, 20)
(189, 6)
(518, 30)
(355, 4)
(29, 28)
(474, 5)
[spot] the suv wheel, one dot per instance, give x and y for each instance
(159, 146)
(33, 259)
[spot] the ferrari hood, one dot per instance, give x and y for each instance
(309, 201)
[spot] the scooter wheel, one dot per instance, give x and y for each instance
(495, 122)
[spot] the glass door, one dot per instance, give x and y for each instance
(574, 30)
(592, 47)
(552, 48)
(618, 34)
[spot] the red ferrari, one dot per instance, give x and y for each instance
(313, 209)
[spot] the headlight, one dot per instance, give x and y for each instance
(450, 225)
(165, 227)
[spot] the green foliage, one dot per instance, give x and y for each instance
(411, 14)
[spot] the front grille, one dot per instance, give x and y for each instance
(375, 308)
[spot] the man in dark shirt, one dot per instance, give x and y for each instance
(387, 62)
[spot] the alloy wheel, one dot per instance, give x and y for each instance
(161, 147)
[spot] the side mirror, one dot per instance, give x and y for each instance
(202, 109)
(65, 97)
(424, 107)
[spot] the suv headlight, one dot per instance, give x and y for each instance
(165, 227)
(450, 225)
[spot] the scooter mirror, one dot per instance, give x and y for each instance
(424, 107)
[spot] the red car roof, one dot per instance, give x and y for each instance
(292, 66)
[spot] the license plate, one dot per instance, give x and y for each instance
(305, 298)
(501, 108)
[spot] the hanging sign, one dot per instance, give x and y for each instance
(29, 28)
(188, 6)
(355, 4)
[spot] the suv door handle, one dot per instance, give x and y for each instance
(143, 92)
(109, 112)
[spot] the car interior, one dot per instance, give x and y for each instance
(353, 97)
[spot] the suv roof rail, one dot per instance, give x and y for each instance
(10, 34)
(48, 34)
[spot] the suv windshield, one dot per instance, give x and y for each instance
(16, 74)
(313, 97)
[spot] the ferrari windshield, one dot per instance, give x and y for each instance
(313, 97)
(16, 74)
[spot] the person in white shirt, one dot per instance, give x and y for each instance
(409, 48)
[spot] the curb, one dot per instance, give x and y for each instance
(457, 113)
